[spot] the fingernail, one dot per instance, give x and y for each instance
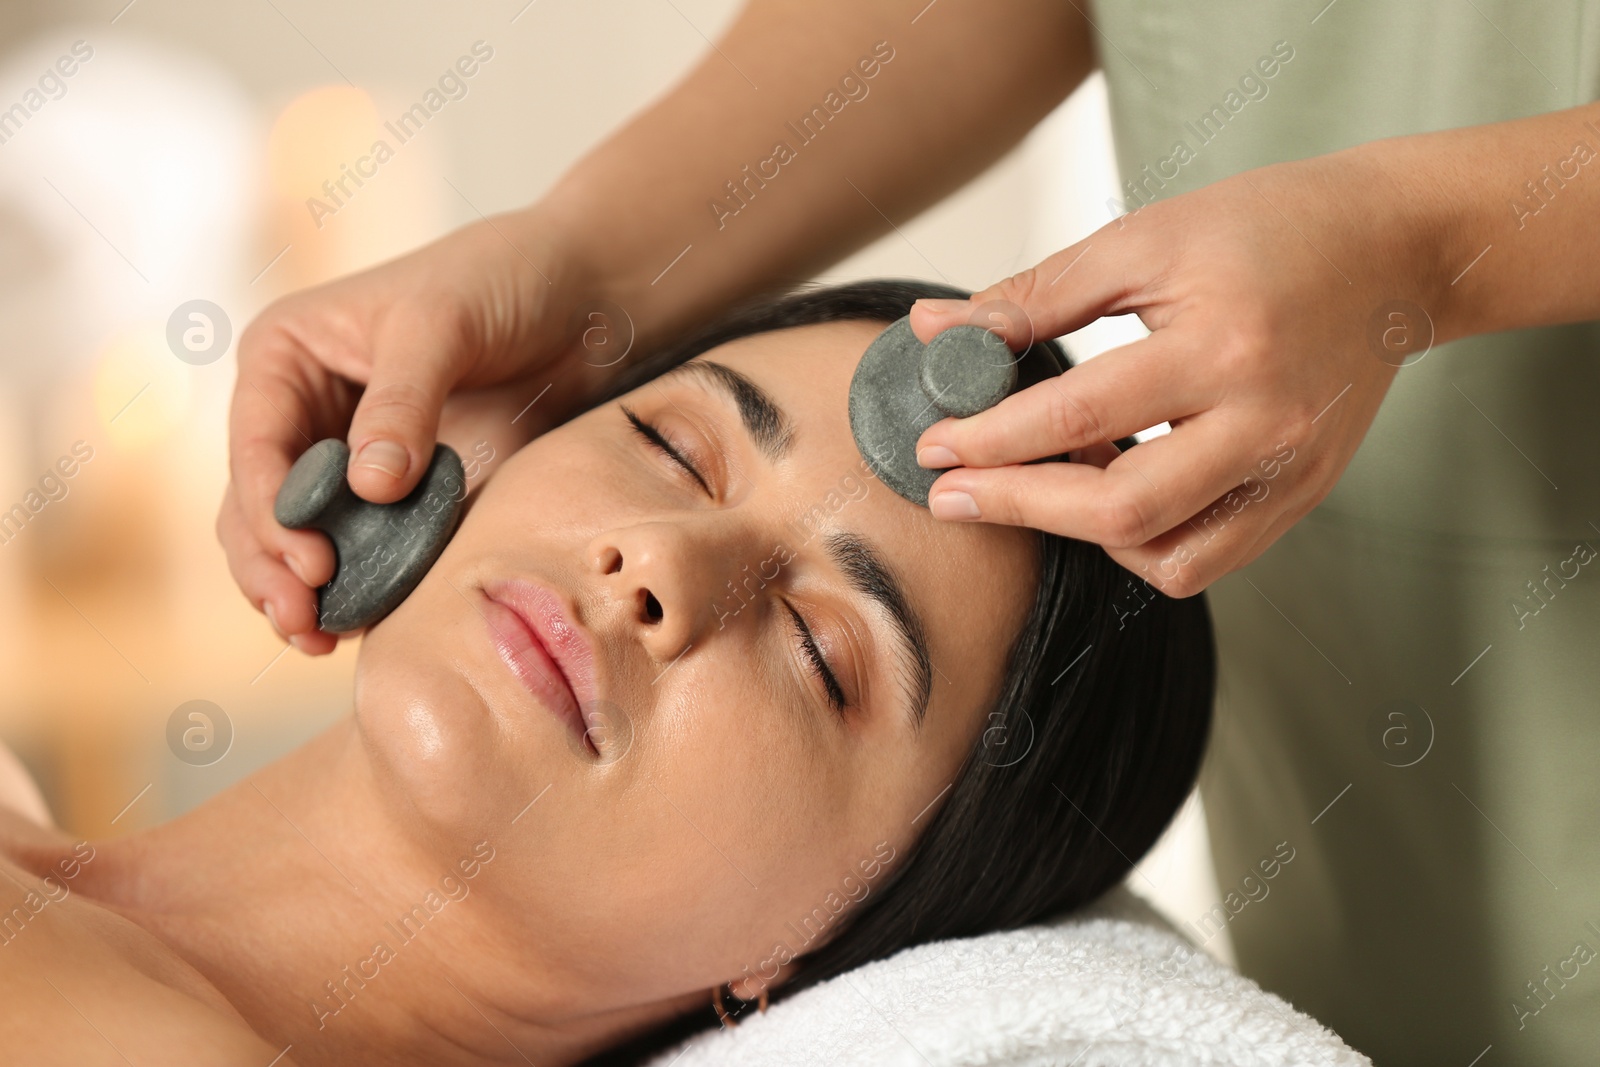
(938, 305)
(294, 565)
(937, 456)
(297, 642)
(272, 616)
(386, 456)
(953, 504)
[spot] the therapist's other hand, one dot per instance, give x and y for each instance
(371, 358)
(1261, 293)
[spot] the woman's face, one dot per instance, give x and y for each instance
(730, 796)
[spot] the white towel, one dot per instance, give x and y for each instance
(1112, 985)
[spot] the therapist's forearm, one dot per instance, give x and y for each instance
(1513, 209)
(965, 83)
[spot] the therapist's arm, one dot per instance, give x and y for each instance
(1517, 209)
(953, 91)
(1281, 303)
(481, 322)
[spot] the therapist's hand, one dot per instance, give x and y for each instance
(1272, 298)
(371, 359)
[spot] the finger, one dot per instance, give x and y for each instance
(1066, 291)
(267, 582)
(1296, 504)
(290, 607)
(396, 423)
(1218, 541)
(281, 404)
(1144, 492)
(1121, 392)
(1175, 563)
(262, 468)
(1046, 496)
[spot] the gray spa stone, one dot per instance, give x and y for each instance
(967, 369)
(381, 550)
(901, 387)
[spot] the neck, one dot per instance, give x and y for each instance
(332, 929)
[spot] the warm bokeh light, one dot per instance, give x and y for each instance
(315, 133)
(141, 392)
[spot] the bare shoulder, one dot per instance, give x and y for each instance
(83, 986)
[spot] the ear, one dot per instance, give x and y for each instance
(751, 987)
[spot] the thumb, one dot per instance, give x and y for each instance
(395, 425)
(1068, 290)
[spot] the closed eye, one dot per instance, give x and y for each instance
(662, 444)
(819, 665)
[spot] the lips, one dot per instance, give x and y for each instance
(534, 633)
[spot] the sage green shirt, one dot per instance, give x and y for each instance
(1410, 684)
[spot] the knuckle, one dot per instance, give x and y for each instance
(1123, 520)
(1321, 484)
(1187, 583)
(1298, 422)
(255, 341)
(1247, 344)
(394, 404)
(1076, 419)
(1317, 480)
(251, 347)
(1236, 357)
(1019, 288)
(1002, 308)
(1066, 419)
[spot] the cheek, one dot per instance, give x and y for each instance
(737, 817)
(744, 770)
(557, 492)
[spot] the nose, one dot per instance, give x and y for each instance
(664, 578)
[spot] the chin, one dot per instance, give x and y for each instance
(450, 733)
(431, 735)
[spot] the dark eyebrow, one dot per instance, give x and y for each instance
(766, 423)
(867, 573)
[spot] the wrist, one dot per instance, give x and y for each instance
(574, 321)
(1419, 221)
(623, 248)
(1463, 197)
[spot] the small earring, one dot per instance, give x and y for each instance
(728, 1019)
(722, 1012)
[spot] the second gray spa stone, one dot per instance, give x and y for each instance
(381, 551)
(967, 369)
(901, 387)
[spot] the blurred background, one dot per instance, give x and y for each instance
(173, 164)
